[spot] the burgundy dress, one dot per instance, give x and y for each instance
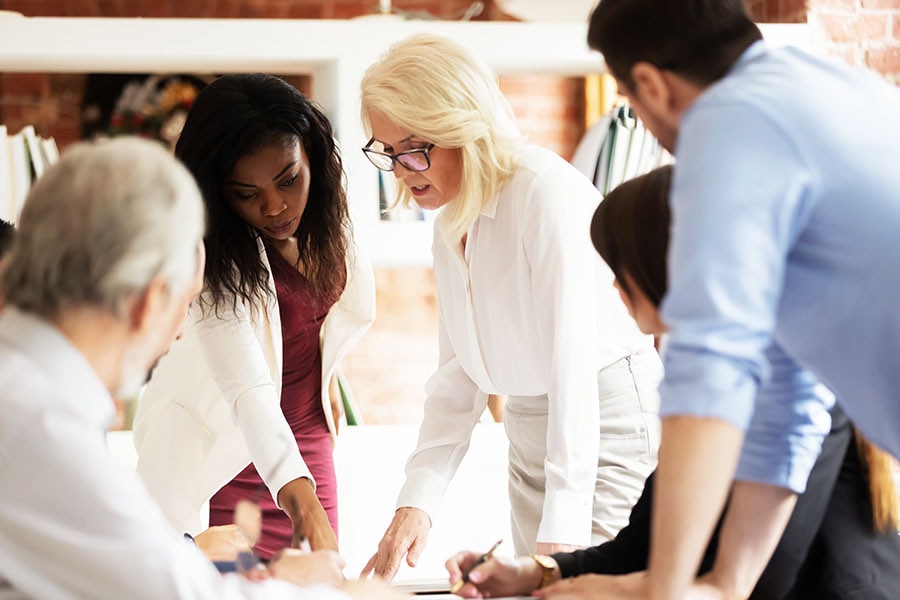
(301, 402)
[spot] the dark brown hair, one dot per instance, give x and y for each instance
(630, 230)
(698, 40)
(7, 233)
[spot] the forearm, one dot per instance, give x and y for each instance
(696, 461)
(757, 515)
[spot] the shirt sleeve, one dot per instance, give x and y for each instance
(737, 211)
(565, 280)
(238, 366)
(453, 406)
(769, 456)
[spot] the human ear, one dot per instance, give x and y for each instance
(652, 88)
(144, 308)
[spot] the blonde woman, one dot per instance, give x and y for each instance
(527, 309)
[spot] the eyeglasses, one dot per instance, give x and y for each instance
(417, 159)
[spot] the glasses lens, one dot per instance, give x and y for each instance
(416, 160)
(382, 161)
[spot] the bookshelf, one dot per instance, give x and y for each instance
(335, 53)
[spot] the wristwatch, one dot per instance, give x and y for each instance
(548, 569)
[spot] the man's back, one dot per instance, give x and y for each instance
(787, 203)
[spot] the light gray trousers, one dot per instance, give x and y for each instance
(629, 438)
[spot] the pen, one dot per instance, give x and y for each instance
(483, 558)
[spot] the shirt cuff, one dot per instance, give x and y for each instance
(567, 518)
(424, 489)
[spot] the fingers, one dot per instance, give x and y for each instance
(367, 570)
(415, 550)
(389, 564)
(459, 563)
(386, 562)
(454, 566)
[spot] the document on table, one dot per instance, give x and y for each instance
(423, 586)
(434, 589)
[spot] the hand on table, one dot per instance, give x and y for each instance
(223, 542)
(308, 568)
(499, 576)
(405, 536)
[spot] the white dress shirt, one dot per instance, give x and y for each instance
(528, 309)
(73, 523)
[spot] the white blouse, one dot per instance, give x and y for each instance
(528, 309)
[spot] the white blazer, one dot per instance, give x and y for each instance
(213, 404)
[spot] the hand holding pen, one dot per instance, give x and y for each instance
(481, 560)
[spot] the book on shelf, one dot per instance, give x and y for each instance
(24, 157)
(20, 173)
(50, 150)
(617, 148)
(35, 153)
(6, 191)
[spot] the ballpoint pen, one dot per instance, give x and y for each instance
(482, 559)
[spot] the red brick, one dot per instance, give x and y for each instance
(792, 11)
(306, 10)
(37, 8)
(755, 9)
(839, 28)
(881, 4)
(832, 5)
(350, 9)
(884, 60)
(194, 9)
(26, 84)
(226, 9)
(849, 54)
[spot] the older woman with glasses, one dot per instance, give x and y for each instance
(527, 309)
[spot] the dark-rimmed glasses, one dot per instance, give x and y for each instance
(417, 159)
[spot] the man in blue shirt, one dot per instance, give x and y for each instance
(786, 216)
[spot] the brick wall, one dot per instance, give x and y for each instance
(865, 33)
(548, 107)
(777, 11)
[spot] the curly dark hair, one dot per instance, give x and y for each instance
(232, 117)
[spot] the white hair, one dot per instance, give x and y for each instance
(436, 88)
(100, 225)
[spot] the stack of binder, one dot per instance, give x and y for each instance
(618, 148)
(23, 158)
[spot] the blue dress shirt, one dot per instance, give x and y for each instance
(784, 256)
